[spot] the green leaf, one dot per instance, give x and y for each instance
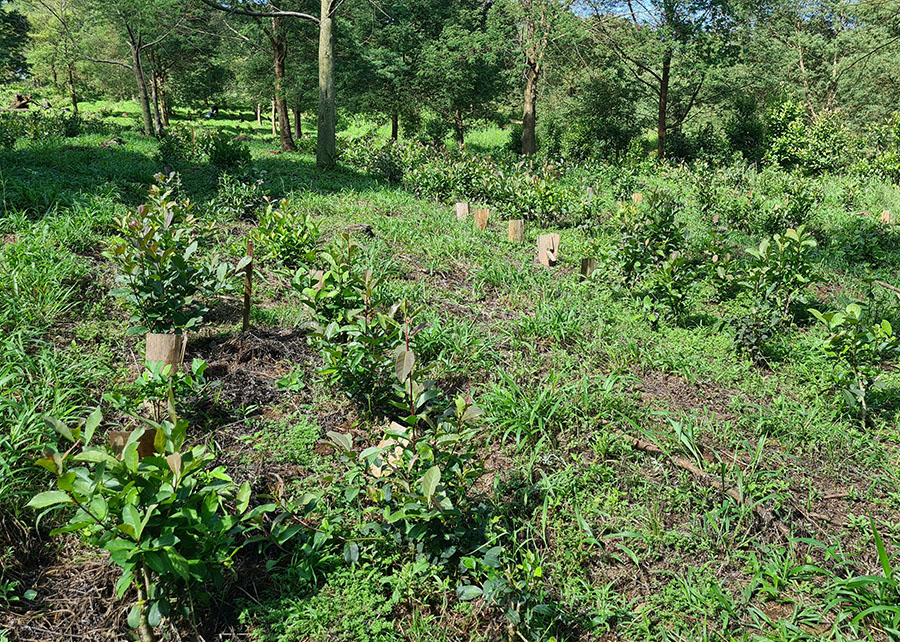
(132, 518)
(49, 498)
(342, 441)
(134, 616)
(124, 582)
(468, 592)
(95, 456)
(351, 552)
(243, 497)
(404, 360)
(59, 427)
(90, 425)
(430, 481)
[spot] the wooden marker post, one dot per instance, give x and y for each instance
(462, 211)
(548, 249)
(319, 277)
(248, 285)
(587, 268)
(481, 215)
(886, 217)
(517, 231)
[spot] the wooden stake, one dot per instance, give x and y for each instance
(481, 217)
(886, 217)
(587, 268)
(248, 286)
(462, 211)
(319, 277)
(548, 249)
(517, 231)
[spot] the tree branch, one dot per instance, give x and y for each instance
(261, 14)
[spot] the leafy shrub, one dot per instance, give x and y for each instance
(597, 123)
(796, 142)
(224, 151)
(169, 520)
(161, 279)
(40, 125)
(775, 278)
(180, 144)
(420, 477)
(336, 293)
(239, 196)
(286, 236)
(650, 234)
(866, 240)
(745, 130)
(860, 345)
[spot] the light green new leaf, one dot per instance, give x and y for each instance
(430, 481)
(49, 498)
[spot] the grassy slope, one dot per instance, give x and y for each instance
(631, 546)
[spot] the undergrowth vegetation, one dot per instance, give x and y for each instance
(424, 433)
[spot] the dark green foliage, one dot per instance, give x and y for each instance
(239, 196)
(597, 123)
(286, 236)
(171, 521)
(775, 278)
(745, 130)
(181, 144)
(860, 344)
(14, 28)
(162, 279)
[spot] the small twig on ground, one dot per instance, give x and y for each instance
(765, 515)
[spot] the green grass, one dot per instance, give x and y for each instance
(569, 373)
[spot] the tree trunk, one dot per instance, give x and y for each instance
(325, 144)
(163, 104)
(70, 84)
(460, 128)
(298, 127)
(157, 117)
(138, 69)
(529, 116)
(279, 51)
(55, 80)
(395, 125)
(661, 125)
(259, 114)
(274, 120)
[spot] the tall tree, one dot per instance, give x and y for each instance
(14, 29)
(141, 25)
(538, 24)
(326, 139)
(668, 45)
(461, 74)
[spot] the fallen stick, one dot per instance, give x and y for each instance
(767, 517)
(888, 286)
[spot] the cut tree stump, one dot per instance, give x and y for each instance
(587, 268)
(462, 211)
(548, 249)
(517, 231)
(481, 215)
